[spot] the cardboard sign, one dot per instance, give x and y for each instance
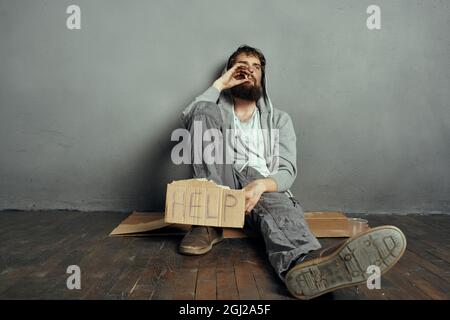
(203, 202)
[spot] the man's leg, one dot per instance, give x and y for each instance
(347, 263)
(206, 116)
(281, 222)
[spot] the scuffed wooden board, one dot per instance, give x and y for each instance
(323, 224)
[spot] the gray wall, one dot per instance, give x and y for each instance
(86, 115)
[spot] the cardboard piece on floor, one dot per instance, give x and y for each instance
(140, 224)
(327, 224)
(323, 224)
(202, 202)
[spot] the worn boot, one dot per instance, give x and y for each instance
(346, 264)
(200, 239)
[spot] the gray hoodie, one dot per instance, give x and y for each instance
(285, 172)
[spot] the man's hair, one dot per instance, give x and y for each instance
(251, 52)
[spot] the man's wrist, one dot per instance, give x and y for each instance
(263, 185)
(218, 85)
(267, 185)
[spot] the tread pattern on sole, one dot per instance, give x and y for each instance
(382, 247)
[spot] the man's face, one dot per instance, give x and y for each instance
(251, 91)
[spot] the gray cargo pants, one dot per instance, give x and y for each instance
(277, 217)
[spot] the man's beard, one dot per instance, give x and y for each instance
(247, 92)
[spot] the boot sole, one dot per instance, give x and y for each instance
(195, 252)
(347, 266)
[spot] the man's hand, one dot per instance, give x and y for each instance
(238, 74)
(255, 189)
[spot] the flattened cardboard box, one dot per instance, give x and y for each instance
(323, 224)
(202, 202)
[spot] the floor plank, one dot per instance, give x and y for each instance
(38, 246)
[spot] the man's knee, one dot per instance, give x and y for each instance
(279, 203)
(207, 109)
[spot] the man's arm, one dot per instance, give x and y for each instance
(227, 80)
(287, 168)
(287, 154)
(211, 94)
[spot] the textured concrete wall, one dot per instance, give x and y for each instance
(86, 115)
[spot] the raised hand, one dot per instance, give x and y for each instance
(237, 74)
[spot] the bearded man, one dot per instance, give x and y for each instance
(263, 143)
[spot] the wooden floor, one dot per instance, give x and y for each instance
(37, 247)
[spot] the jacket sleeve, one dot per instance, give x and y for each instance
(211, 94)
(287, 154)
